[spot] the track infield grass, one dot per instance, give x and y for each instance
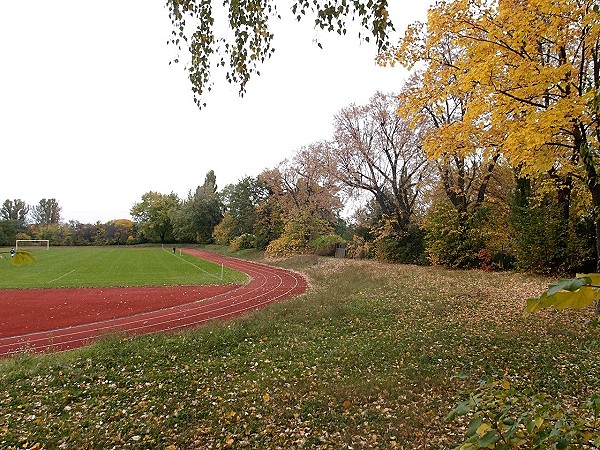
(61, 267)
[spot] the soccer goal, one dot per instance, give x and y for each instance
(29, 244)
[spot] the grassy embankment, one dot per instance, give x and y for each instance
(374, 356)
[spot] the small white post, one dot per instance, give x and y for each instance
(221, 271)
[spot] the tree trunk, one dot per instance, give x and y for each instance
(596, 210)
(595, 191)
(564, 206)
(593, 183)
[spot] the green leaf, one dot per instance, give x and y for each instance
(533, 304)
(593, 277)
(21, 257)
(562, 300)
(571, 284)
(543, 301)
(489, 438)
(547, 300)
(461, 409)
(583, 298)
(474, 425)
(578, 299)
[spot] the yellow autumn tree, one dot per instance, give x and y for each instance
(463, 148)
(531, 72)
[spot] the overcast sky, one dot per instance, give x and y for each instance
(93, 115)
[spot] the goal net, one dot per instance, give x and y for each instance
(29, 244)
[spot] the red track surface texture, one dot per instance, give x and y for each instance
(44, 320)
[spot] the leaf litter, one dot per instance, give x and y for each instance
(375, 356)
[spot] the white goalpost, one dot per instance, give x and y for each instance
(32, 243)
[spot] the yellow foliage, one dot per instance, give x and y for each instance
(506, 73)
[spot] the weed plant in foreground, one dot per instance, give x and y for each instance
(374, 356)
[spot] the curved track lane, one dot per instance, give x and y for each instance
(267, 285)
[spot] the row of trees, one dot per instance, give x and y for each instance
(47, 211)
(491, 159)
(471, 210)
(114, 232)
(516, 82)
(488, 157)
(464, 210)
(503, 103)
(17, 217)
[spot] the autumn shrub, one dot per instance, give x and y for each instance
(326, 245)
(495, 260)
(454, 239)
(285, 246)
(509, 414)
(360, 248)
(243, 242)
(547, 243)
(294, 240)
(297, 235)
(485, 258)
(57, 233)
(401, 247)
(268, 225)
(22, 235)
(222, 233)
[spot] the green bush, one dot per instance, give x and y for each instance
(502, 414)
(404, 248)
(326, 245)
(546, 243)
(454, 239)
(297, 234)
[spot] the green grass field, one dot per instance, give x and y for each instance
(374, 356)
(111, 266)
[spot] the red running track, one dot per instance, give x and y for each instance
(267, 285)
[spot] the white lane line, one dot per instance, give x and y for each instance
(62, 276)
(197, 267)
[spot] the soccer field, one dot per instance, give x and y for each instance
(111, 266)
